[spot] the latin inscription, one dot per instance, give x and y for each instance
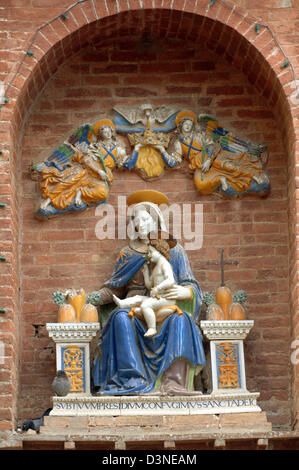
(188, 405)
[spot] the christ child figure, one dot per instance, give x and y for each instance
(157, 281)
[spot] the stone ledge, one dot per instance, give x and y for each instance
(51, 422)
(141, 439)
(226, 329)
(69, 332)
(121, 426)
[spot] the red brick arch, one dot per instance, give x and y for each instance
(227, 31)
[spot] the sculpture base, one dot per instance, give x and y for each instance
(155, 431)
(215, 403)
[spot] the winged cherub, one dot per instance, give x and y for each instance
(80, 170)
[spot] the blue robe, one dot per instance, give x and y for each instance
(130, 363)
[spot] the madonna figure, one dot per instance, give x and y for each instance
(128, 362)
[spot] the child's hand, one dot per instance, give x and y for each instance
(154, 292)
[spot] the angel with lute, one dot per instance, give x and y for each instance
(80, 170)
(220, 160)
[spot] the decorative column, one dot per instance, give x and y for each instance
(227, 354)
(73, 352)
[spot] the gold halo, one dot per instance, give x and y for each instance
(185, 114)
(147, 195)
(101, 123)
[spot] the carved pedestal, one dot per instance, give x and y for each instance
(227, 359)
(73, 352)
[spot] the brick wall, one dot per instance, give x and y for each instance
(65, 252)
(203, 65)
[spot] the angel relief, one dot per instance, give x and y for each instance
(220, 160)
(79, 172)
(149, 133)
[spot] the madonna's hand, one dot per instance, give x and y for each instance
(178, 293)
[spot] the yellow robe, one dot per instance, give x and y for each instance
(61, 186)
(238, 169)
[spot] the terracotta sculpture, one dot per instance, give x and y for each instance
(147, 130)
(127, 361)
(225, 305)
(159, 280)
(79, 172)
(219, 160)
(73, 308)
